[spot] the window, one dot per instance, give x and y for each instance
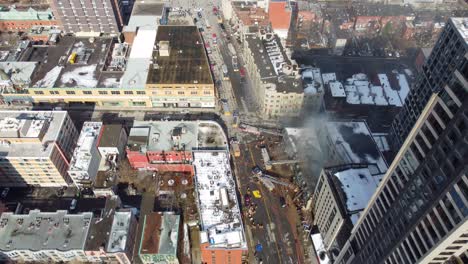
(207, 92)
(102, 92)
(128, 92)
(141, 92)
(115, 92)
(193, 92)
(38, 92)
(181, 93)
(87, 92)
(70, 92)
(167, 92)
(53, 92)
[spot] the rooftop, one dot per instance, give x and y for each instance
(390, 89)
(110, 135)
(160, 233)
(319, 246)
(147, 8)
(250, 14)
(119, 232)
(73, 62)
(44, 231)
(26, 14)
(355, 144)
(15, 73)
(181, 57)
(175, 135)
(312, 81)
(273, 64)
(43, 126)
(279, 14)
(461, 24)
(221, 222)
(86, 142)
(381, 10)
(138, 65)
(358, 186)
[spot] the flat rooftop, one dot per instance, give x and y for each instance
(119, 232)
(110, 135)
(461, 24)
(44, 231)
(358, 185)
(42, 125)
(175, 135)
(220, 215)
(56, 71)
(385, 90)
(355, 144)
(186, 63)
(148, 8)
(272, 62)
(160, 233)
(87, 140)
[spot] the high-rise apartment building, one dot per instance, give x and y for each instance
(35, 148)
(446, 60)
(419, 213)
(89, 16)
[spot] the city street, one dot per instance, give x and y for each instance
(278, 235)
(271, 227)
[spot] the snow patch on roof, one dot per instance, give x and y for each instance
(49, 79)
(359, 186)
(82, 76)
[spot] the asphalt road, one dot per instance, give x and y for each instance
(277, 236)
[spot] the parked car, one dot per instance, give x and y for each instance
(247, 199)
(73, 204)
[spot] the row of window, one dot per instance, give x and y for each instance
(124, 92)
(422, 186)
(446, 215)
(90, 92)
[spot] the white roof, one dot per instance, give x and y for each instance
(319, 247)
(139, 60)
(223, 226)
(82, 154)
(327, 77)
(337, 89)
(55, 120)
(359, 90)
(359, 186)
(461, 24)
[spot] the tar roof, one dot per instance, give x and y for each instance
(44, 231)
(355, 144)
(187, 62)
(160, 233)
(55, 70)
(110, 136)
(270, 57)
(147, 8)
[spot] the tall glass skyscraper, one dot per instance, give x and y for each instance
(419, 213)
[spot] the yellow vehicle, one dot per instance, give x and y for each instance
(257, 194)
(236, 149)
(72, 58)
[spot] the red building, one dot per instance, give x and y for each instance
(177, 161)
(24, 19)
